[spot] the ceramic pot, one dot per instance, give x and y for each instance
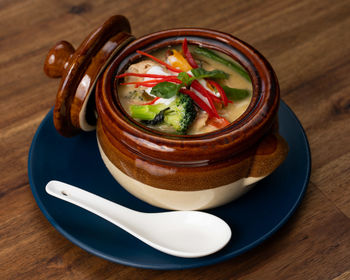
(170, 171)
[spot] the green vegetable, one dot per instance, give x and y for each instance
(210, 54)
(235, 94)
(146, 112)
(159, 118)
(201, 73)
(181, 113)
(166, 89)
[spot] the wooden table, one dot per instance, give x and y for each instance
(308, 44)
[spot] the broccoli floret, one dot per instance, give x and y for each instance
(181, 113)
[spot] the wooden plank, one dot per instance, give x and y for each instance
(308, 44)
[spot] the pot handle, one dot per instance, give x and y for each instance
(270, 153)
(57, 59)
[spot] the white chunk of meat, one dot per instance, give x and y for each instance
(141, 68)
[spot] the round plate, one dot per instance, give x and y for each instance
(252, 218)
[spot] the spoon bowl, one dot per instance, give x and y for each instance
(187, 234)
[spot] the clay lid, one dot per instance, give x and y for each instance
(79, 70)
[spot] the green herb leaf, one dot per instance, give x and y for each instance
(200, 73)
(235, 94)
(166, 89)
(185, 78)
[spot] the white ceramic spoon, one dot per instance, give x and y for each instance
(187, 234)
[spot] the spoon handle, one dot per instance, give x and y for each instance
(113, 212)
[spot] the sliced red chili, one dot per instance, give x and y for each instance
(220, 90)
(188, 54)
(197, 86)
(172, 79)
(160, 62)
(137, 84)
(152, 101)
(143, 75)
(199, 101)
(154, 82)
(150, 81)
(215, 98)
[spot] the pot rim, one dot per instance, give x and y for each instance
(241, 134)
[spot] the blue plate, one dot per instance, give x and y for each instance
(252, 218)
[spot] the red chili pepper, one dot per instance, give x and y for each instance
(147, 85)
(150, 81)
(151, 102)
(160, 62)
(172, 79)
(220, 90)
(215, 98)
(143, 75)
(137, 84)
(154, 82)
(197, 86)
(199, 101)
(188, 54)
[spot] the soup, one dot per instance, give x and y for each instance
(185, 90)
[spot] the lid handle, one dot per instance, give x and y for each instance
(57, 59)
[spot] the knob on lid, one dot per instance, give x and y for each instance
(79, 70)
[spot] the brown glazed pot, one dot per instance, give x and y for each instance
(169, 171)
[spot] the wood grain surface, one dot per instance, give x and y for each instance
(308, 44)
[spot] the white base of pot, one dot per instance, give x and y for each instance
(180, 200)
